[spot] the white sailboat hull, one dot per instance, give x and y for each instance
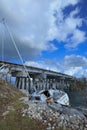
(56, 96)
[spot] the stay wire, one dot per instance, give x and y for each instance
(2, 45)
(14, 43)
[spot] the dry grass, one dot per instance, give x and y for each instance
(14, 120)
(9, 96)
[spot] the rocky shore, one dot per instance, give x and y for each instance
(56, 116)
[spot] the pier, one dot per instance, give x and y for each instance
(34, 78)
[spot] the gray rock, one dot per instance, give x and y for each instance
(82, 109)
(57, 116)
(66, 110)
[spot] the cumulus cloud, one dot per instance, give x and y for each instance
(75, 61)
(68, 26)
(34, 23)
(28, 21)
(75, 65)
(44, 64)
(76, 71)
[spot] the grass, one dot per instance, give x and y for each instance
(9, 96)
(14, 120)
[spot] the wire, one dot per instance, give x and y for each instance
(2, 45)
(11, 36)
(14, 43)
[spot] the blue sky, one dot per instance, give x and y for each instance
(50, 34)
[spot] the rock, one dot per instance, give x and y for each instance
(66, 110)
(82, 109)
(72, 111)
(56, 107)
(5, 113)
(56, 116)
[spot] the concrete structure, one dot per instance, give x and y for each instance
(30, 78)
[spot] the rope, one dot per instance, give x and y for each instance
(14, 43)
(2, 43)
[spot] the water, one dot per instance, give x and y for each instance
(78, 98)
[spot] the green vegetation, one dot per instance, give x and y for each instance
(14, 119)
(81, 83)
(11, 111)
(78, 84)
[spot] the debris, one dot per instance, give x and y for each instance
(50, 96)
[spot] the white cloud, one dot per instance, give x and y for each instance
(76, 71)
(77, 38)
(68, 26)
(75, 61)
(29, 22)
(75, 65)
(46, 64)
(34, 24)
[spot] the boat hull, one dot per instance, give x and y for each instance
(49, 96)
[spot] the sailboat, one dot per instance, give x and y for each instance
(51, 96)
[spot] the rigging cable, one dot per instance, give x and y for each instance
(2, 45)
(14, 43)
